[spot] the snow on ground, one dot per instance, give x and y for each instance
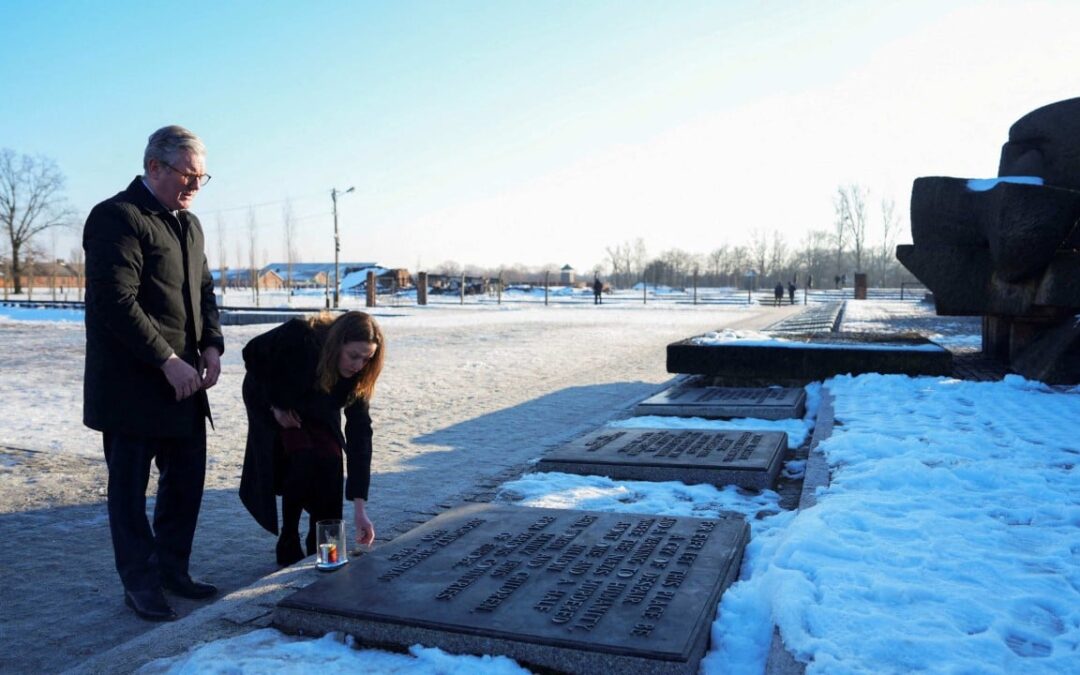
(947, 541)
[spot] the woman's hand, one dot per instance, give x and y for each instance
(288, 419)
(365, 531)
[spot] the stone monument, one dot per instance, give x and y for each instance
(570, 591)
(688, 400)
(1007, 249)
(800, 358)
(750, 459)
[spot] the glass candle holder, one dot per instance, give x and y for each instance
(331, 544)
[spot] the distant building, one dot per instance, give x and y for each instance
(43, 274)
(566, 275)
(313, 275)
(241, 278)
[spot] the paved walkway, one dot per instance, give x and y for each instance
(477, 428)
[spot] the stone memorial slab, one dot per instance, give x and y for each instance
(766, 403)
(784, 358)
(572, 591)
(750, 459)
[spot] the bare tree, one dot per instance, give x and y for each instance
(890, 228)
(448, 268)
(778, 256)
(619, 263)
(289, 231)
(813, 257)
(253, 246)
(6, 261)
(759, 251)
(78, 266)
(53, 264)
(639, 258)
(840, 228)
(851, 215)
(741, 262)
(715, 262)
(223, 267)
(31, 200)
(239, 263)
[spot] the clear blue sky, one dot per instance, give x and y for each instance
(532, 132)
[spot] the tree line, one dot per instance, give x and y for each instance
(861, 238)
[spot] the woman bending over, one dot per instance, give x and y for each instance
(300, 377)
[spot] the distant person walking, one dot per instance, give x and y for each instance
(778, 294)
(597, 290)
(153, 348)
(300, 377)
(791, 291)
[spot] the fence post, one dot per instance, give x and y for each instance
(370, 290)
(421, 288)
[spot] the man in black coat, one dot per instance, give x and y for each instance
(153, 348)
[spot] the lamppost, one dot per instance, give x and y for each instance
(337, 240)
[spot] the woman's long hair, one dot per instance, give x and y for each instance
(349, 327)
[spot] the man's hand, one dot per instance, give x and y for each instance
(209, 367)
(184, 379)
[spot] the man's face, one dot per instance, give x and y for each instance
(175, 183)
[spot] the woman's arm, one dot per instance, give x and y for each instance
(365, 530)
(358, 434)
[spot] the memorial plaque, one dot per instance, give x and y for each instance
(766, 403)
(808, 357)
(572, 591)
(750, 459)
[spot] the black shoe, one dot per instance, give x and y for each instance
(149, 605)
(289, 551)
(186, 587)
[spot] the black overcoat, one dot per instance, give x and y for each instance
(281, 371)
(149, 294)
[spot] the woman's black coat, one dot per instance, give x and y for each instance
(281, 372)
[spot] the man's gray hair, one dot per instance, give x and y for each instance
(166, 142)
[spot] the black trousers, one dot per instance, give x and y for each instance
(143, 553)
(313, 480)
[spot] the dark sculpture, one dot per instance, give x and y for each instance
(1009, 250)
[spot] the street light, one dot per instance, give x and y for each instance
(337, 240)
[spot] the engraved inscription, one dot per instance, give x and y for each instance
(576, 600)
(617, 583)
(602, 440)
(505, 591)
(465, 581)
(596, 611)
(438, 539)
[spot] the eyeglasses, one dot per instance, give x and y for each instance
(200, 178)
